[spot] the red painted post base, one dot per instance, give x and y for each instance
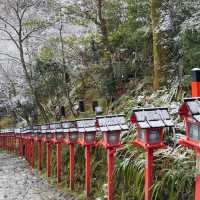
(58, 162)
(33, 154)
(87, 170)
(71, 166)
(110, 161)
(27, 151)
(15, 145)
(40, 156)
(48, 168)
(148, 174)
(197, 184)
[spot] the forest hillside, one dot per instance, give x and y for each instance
(60, 58)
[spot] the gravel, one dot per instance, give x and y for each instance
(18, 182)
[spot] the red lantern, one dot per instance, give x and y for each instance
(111, 126)
(48, 135)
(47, 138)
(190, 113)
(87, 131)
(38, 133)
(70, 132)
(71, 137)
(150, 123)
(87, 137)
(57, 131)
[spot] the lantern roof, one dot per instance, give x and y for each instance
(45, 127)
(191, 107)
(69, 126)
(55, 126)
(110, 123)
(152, 117)
(17, 130)
(86, 125)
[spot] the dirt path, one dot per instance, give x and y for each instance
(17, 182)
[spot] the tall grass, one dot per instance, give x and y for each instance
(174, 172)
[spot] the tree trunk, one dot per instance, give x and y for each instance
(66, 79)
(104, 32)
(155, 18)
(37, 102)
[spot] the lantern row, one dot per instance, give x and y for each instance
(149, 122)
(81, 130)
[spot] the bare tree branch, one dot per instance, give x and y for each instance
(11, 37)
(9, 24)
(12, 57)
(33, 31)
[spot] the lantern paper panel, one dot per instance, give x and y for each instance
(90, 137)
(70, 131)
(141, 134)
(87, 130)
(194, 132)
(73, 137)
(112, 138)
(154, 136)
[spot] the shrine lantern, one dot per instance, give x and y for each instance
(190, 113)
(57, 131)
(87, 138)
(71, 137)
(70, 132)
(29, 132)
(150, 123)
(38, 133)
(47, 133)
(17, 132)
(111, 126)
(87, 131)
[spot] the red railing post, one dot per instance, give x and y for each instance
(197, 184)
(88, 169)
(110, 161)
(14, 144)
(26, 149)
(40, 155)
(29, 151)
(20, 146)
(48, 168)
(8, 143)
(148, 174)
(11, 143)
(58, 162)
(4, 142)
(71, 166)
(33, 153)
